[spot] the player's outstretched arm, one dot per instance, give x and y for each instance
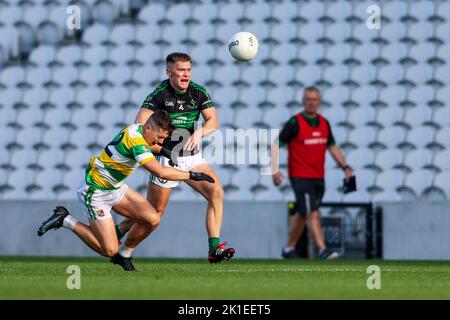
(143, 115)
(169, 173)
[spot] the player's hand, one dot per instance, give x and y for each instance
(277, 178)
(200, 176)
(172, 156)
(348, 173)
(193, 141)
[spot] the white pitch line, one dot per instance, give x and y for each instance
(337, 270)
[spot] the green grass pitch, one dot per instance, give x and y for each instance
(45, 278)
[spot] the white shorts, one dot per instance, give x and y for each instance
(184, 163)
(97, 203)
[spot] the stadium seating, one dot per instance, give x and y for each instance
(385, 92)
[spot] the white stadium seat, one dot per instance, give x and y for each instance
(11, 15)
(362, 137)
(285, 10)
(441, 74)
(313, 11)
(69, 55)
(423, 10)
(421, 31)
(179, 13)
(393, 32)
(442, 137)
(441, 180)
(35, 15)
(364, 75)
(366, 53)
(336, 75)
(96, 34)
(390, 179)
(422, 52)
(418, 159)
(441, 160)
(92, 76)
(357, 196)
(204, 12)
(389, 159)
(12, 76)
(122, 34)
(391, 137)
(364, 35)
(65, 76)
(336, 116)
(43, 55)
(393, 96)
(105, 12)
(395, 10)
(38, 77)
(391, 74)
(152, 13)
(419, 181)
(418, 116)
(340, 32)
(230, 12)
(419, 74)
(420, 137)
(386, 196)
(361, 158)
(311, 53)
(336, 96)
(122, 55)
(283, 32)
(442, 34)
(361, 116)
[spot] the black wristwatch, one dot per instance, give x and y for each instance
(347, 167)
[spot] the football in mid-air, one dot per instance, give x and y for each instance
(243, 46)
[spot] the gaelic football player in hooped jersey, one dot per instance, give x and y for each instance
(185, 101)
(104, 189)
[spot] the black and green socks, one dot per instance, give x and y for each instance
(118, 232)
(213, 243)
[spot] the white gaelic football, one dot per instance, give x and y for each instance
(243, 46)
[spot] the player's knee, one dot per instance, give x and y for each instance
(160, 212)
(152, 221)
(314, 215)
(216, 195)
(110, 251)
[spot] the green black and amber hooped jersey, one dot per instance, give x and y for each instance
(121, 157)
(183, 107)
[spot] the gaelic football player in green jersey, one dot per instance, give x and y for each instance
(104, 189)
(185, 101)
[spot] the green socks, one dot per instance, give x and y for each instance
(118, 232)
(213, 243)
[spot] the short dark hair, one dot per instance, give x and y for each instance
(311, 88)
(178, 56)
(161, 119)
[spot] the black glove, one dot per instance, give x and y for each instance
(200, 176)
(172, 156)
